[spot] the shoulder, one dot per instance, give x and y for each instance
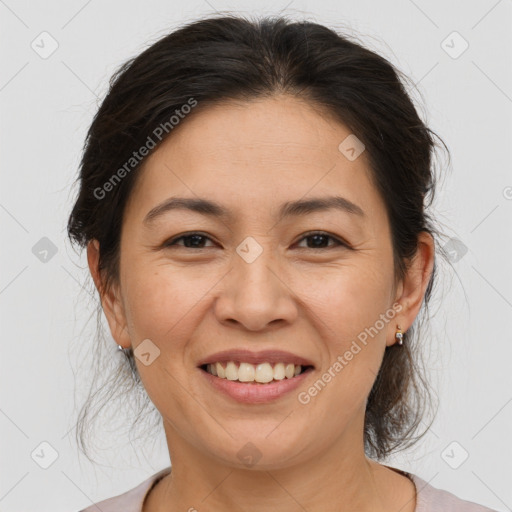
(131, 500)
(432, 499)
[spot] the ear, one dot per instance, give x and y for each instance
(411, 289)
(110, 301)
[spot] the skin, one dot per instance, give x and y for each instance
(251, 158)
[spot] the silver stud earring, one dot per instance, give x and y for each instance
(399, 335)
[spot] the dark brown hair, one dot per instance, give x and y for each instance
(222, 58)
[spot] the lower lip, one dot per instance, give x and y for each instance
(254, 392)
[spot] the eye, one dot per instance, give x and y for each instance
(196, 241)
(191, 240)
(319, 237)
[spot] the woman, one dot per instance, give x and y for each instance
(253, 202)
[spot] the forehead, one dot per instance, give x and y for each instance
(256, 155)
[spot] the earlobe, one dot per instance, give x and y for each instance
(110, 302)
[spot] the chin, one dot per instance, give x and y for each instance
(261, 451)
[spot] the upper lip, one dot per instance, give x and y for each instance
(248, 356)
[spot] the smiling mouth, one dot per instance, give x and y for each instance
(263, 373)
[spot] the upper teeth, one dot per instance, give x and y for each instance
(246, 372)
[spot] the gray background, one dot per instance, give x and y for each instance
(47, 105)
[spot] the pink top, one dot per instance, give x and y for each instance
(428, 498)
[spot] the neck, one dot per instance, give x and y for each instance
(341, 479)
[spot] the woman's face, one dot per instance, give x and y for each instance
(257, 281)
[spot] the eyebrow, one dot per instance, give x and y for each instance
(291, 208)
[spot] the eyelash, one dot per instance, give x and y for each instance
(339, 243)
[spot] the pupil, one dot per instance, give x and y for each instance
(189, 237)
(316, 237)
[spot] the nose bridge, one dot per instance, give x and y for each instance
(255, 267)
(255, 293)
(255, 274)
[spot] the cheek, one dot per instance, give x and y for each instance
(158, 302)
(354, 317)
(349, 299)
(163, 307)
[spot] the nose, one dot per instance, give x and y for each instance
(256, 295)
